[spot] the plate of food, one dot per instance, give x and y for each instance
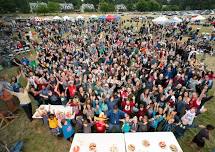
(146, 143)
(76, 149)
(92, 147)
(162, 144)
(37, 114)
(68, 115)
(131, 147)
(173, 148)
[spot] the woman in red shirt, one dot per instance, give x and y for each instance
(72, 89)
(127, 106)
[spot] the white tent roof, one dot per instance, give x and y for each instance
(161, 20)
(93, 16)
(47, 19)
(56, 18)
(175, 19)
(198, 18)
(66, 18)
(80, 17)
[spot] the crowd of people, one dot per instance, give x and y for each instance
(117, 78)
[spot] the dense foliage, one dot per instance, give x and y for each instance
(11, 6)
(106, 7)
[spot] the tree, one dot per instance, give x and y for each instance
(94, 2)
(148, 5)
(142, 6)
(53, 7)
(130, 6)
(7, 6)
(76, 3)
(43, 9)
(106, 7)
(23, 6)
(154, 5)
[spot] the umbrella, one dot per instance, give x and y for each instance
(110, 18)
(161, 20)
(117, 18)
(102, 17)
(79, 17)
(197, 18)
(56, 18)
(65, 18)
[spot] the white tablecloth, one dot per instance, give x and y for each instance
(103, 141)
(154, 138)
(54, 109)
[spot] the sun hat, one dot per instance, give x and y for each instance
(101, 117)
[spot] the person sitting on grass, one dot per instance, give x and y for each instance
(53, 124)
(203, 134)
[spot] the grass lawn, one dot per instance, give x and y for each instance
(37, 137)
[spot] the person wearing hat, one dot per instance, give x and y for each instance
(134, 124)
(100, 124)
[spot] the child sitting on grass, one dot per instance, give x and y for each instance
(53, 124)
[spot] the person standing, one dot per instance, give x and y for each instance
(67, 129)
(114, 118)
(24, 100)
(203, 134)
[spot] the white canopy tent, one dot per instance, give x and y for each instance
(161, 20)
(72, 19)
(175, 19)
(66, 18)
(57, 18)
(47, 19)
(94, 17)
(79, 17)
(198, 18)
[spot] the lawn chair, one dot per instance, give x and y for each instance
(6, 117)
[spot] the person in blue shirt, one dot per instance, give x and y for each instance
(15, 84)
(126, 127)
(168, 73)
(114, 118)
(67, 129)
(155, 121)
(111, 102)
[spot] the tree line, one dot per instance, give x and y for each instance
(12, 6)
